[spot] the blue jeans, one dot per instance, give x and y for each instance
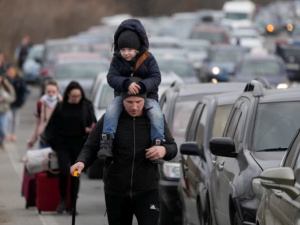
(155, 116)
(3, 126)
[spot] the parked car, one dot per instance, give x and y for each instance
(207, 120)
(32, 65)
(196, 51)
(177, 104)
(212, 33)
(53, 48)
(291, 56)
(247, 37)
(279, 190)
(261, 125)
(221, 62)
(164, 42)
(81, 67)
(269, 67)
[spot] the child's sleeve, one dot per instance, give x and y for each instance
(153, 79)
(114, 77)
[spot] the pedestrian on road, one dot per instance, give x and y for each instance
(7, 96)
(44, 109)
(66, 132)
(131, 180)
(22, 51)
(132, 59)
(22, 94)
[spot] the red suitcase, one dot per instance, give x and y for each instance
(47, 193)
(29, 188)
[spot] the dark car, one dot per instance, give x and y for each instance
(214, 34)
(221, 61)
(208, 120)
(177, 104)
(261, 125)
(291, 56)
(269, 67)
(280, 185)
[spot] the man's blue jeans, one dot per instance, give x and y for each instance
(155, 116)
(3, 125)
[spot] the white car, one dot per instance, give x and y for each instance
(247, 37)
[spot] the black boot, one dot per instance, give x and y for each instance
(157, 142)
(106, 145)
(61, 206)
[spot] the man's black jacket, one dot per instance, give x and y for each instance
(128, 173)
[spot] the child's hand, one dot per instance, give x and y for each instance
(133, 89)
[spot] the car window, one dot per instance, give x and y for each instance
(182, 113)
(275, 125)
(106, 96)
(263, 68)
(294, 150)
(233, 122)
(201, 125)
(220, 120)
(194, 120)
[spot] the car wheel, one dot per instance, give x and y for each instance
(166, 216)
(237, 220)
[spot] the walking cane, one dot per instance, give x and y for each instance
(76, 182)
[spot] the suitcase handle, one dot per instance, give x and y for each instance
(76, 177)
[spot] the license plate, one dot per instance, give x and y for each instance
(293, 66)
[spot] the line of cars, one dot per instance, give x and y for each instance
(232, 138)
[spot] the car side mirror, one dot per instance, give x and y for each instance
(281, 178)
(191, 148)
(222, 146)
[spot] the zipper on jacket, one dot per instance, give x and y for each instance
(131, 182)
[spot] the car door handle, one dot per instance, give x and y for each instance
(213, 162)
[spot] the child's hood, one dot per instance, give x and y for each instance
(134, 25)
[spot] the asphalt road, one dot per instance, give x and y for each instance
(90, 205)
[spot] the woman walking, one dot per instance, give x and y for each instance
(66, 132)
(44, 109)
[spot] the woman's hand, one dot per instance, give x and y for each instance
(77, 167)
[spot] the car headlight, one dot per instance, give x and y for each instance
(171, 170)
(215, 70)
(257, 188)
(282, 86)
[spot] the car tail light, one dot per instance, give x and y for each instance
(44, 72)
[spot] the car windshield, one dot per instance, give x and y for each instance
(183, 69)
(236, 16)
(213, 37)
(275, 125)
(106, 96)
(220, 120)
(196, 47)
(79, 70)
(183, 109)
(262, 67)
(226, 55)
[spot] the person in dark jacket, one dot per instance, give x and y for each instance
(132, 59)
(66, 132)
(21, 92)
(131, 180)
(22, 51)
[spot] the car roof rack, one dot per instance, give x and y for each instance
(255, 87)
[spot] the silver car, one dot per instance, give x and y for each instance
(279, 190)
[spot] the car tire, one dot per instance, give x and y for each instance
(237, 220)
(166, 216)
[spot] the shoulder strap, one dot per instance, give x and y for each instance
(143, 57)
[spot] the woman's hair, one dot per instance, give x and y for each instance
(73, 85)
(51, 82)
(7, 86)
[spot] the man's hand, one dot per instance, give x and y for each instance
(77, 167)
(155, 152)
(133, 89)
